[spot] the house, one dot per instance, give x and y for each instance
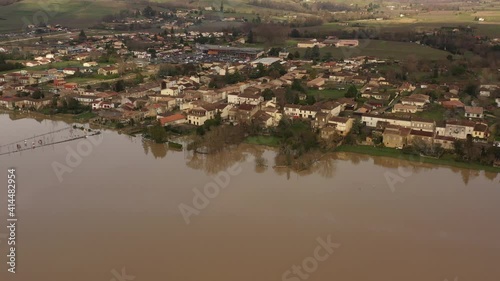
(444, 141)
(87, 99)
(422, 97)
(316, 83)
(422, 136)
(265, 61)
(90, 64)
(348, 103)
(484, 92)
(70, 70)
(308, 111)
(359, 80)
(404, 108)
(8, 101)
(474, 112)
(173, 119)
(275, 114)
(331, 107)
(406, 87)
(395, 136)
(342, 125)
(371, 120)
(31, 63)
(340, 77)
(459, 128)
(421, 124)
(347, 43)
(70, 86)
(198, 115)
(310, 44)
(480, 131)
(292, 110)
(450, 104)
(419, 103)
(110, 70)
(172, 91)
(264, 119)
(243, 112)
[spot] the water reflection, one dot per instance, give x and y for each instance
(216, 162)
(159, 150)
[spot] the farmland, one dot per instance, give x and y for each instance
(382, 49)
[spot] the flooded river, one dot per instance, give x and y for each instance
(116, 209)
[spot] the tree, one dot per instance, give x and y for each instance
(315, 54)
(148, 12)
(308, 54)
(222, 6)
(37, 95)
(250, 37)
(328, 56)
(297, 86)
(157, 133)
(82, 36)
(471, 89)
(274, 51)
(139, 78)
(268, 94)
(310, 99)
(295, 33)
(352, 92)
(119, 86)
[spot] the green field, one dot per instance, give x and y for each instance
(85, 116)
(263, 140)
(64, 12)
(383, 49)
(434, 112)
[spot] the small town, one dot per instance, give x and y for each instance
(295, 97)
(250, 140)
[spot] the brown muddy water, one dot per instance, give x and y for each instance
(116, 214)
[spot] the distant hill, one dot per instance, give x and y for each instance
(8, 2)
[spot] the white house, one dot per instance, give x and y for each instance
(474, 112)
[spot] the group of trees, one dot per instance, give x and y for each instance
(4, 65)
(296, 138)
(176, 69)
(220, 81)
(70, 105)
(468, 151)
(312, 53)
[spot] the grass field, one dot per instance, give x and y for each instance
(85, 116)
(383, 49)
(434, 112)
(65, 12)
(263, 140)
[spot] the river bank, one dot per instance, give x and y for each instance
(270, 141)
(446, 160)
